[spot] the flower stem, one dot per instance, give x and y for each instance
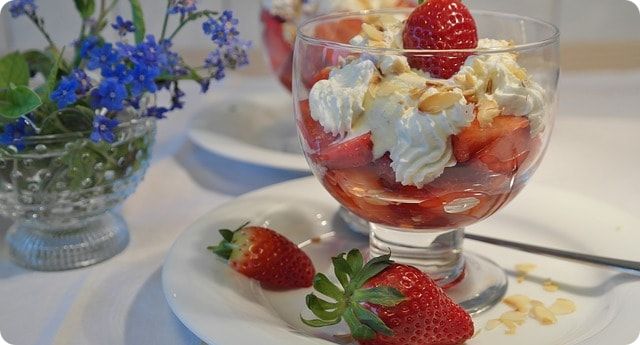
(166, 20)
(40, 25)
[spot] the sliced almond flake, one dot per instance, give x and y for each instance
(492, 324)
(521, 278)
(519, 72)
(372, 32)
(543, 315)
(550, 286)
(519, 303)
(563, 306)
(535, 303)
(440, 101)
(515, 316)
(525, 267)
(487, 110)
(511, 327)
(416, 93)
(377, 44)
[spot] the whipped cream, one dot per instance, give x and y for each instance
(498, 77)
(288, 10)
(337, 101)
(413, 116)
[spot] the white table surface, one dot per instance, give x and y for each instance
(595, 151)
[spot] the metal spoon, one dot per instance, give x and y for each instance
(626, 266)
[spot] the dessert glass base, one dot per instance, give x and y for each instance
(82, 243)
(474, 282)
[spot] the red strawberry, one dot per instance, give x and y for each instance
(280, 51)
(388, 304)
(323, 74)
(501, 146)
(266, 256)
(440, 24)
(352, 153)
(311, 130)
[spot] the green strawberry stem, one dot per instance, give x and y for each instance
(226, 246)
(352, 274)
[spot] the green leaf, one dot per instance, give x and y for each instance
(138, 20)
(316, 305)
(80, 162)
(355, 260)
(17, 101)
(86, 8)
(326, 287)
(370, 270)
(38, 62)
(320, 323)
(226, 234)
(370, 319)
(381, 295)
(341, 269)
(359, 330)
(74, 119)
(14, 70)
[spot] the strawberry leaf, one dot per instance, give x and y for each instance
(359, 330)
(370, 319)
(316, 305)
(226, 234)
(355, 260)
(342, 270)
(320, 323)
(370, 270)
(323, 285)
(380, 295)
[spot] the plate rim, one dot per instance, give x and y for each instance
(206, 216)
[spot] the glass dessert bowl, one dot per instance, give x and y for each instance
(280, 19)
(421, 153)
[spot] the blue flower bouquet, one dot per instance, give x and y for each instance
(77, 123)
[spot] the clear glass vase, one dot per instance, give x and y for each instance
(62, 190)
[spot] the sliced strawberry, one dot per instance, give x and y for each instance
(474, 138)
(280, 51)
(323, 74)
(266, 256)
(352, 153)
(311, 130)
(506, 154)
(341, 31)
(440, 25)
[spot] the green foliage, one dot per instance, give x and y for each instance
(138, 20)
(86, 8)
(13, 70)
(16, 101)
(38, 62)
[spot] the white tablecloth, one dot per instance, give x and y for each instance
(595, 151)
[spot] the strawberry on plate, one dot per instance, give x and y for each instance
(266, 256)
(440, 25)
(384, 303)
(351, 153)
(501, 147)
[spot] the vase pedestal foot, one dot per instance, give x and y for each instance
(35, 246)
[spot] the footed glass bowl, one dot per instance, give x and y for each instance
(62, 192)
(423, 155)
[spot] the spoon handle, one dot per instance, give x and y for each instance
(631, 267)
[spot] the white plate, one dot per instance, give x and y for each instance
(224, 308)
(259, 129)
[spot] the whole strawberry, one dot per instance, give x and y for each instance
(440, 25)
(388, 304)
(266, 256)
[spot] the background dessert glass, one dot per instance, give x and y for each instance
(424, 226)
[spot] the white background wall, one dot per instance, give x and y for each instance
(580, 20)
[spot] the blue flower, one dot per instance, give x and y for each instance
(118, 71)
(65, 93)
(22, 7)
(83, 80)
(110, 94)
(86, 45)
(143, 79)
(123, 26)
(223, 30)
(103, 129)
(100, 57)
(14, 133)
(157, 112)
(176, 98)
(182, 6)
(148, 52)
(214, 63)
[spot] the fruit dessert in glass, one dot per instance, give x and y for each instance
(280, 19)
(424, 122)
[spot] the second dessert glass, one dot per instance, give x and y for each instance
(388, 143)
